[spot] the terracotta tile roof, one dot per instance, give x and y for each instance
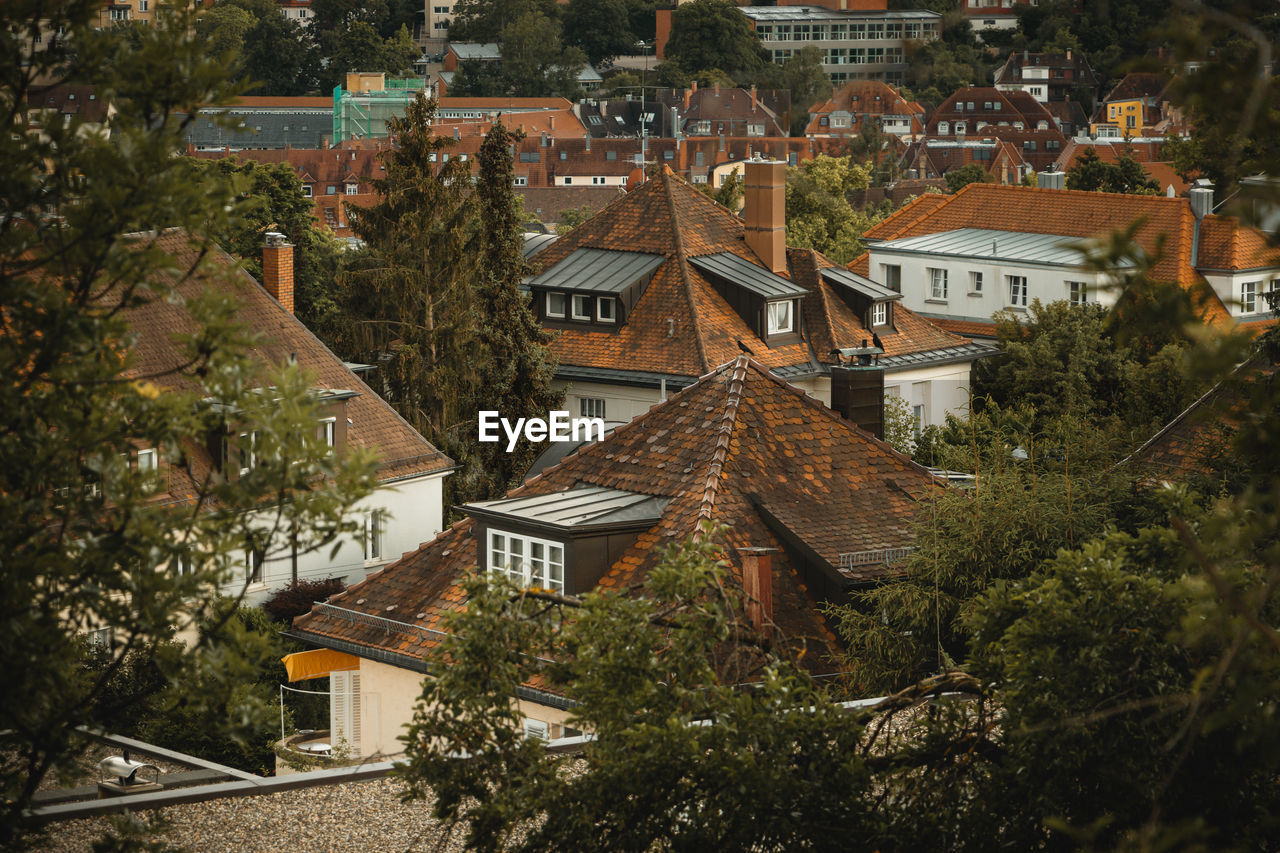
(681, 325)
(373, 423)
(1072, 213)
(968, 328)
(730, 109)
(1146, 153)
(1225, 244)
(739, 447)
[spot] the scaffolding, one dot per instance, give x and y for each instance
(364, 114)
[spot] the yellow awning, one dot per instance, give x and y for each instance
(317, 663)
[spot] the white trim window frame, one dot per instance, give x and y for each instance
(591, 407)
(611, 314)
(248, 451)
(527, 561)
(1017, 290)
(1249, 297)
(557, 304)
(975, 281)
(937, 282)
(879, 313)
(1078, 292)
(780, 317)
(329, 433)
(375, 532)
(253, 561)
(580, 307)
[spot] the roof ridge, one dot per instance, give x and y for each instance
(724, 436)
(682, 262)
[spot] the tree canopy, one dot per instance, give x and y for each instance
(714, 34)
(1126, 175)
(819, 215)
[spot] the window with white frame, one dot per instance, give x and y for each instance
(879, 313)
(252, 566)
(101, 638)
(607, 309)
(353, 189)
(120, 14)
(307, 192)
(248, 451)
(591, 407)
(581, 307)
(1017, 290)
(556, 304)
(779, 317)
(1248, 297)
(527, 561)
(937, 283)
(521, 181)
(891, 274)
(597, 181)
(184, 565)
(975, 281)
(329, 432)
(1272, 294)
(1077, 292)
(375, 528)
(148, 461)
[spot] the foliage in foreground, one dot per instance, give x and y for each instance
(84, 544)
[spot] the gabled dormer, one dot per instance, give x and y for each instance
(767, 302)
(563, 541)
(872, 302)
(235, 444)
(597, 287)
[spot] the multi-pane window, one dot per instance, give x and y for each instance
(375, 528)
(528, 562)
(329, 432)
(581, 307)
(975, 281)
(1078, 292)
(591, 407)
(147, 460)
(353, 189)
(555, 304)
(937, 283)
(521, 181)
(779, 317)
(1017, 290)
(892, 275)
(879, 313)
(1248, 297)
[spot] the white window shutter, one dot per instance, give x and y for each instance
(344, 709)
(536, 728)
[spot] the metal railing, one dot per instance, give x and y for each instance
(886, 556)
(387, 625)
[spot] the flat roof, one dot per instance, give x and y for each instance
(780, 14)
(859, 284)
(988, 244)
(742, 272)
(581, 508)
(598, 270)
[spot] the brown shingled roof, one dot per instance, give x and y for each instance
(681, 325)
(739, 447)
(156, 352)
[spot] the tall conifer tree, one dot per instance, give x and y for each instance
(519, 368)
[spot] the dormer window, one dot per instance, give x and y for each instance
(248, 448)
(581, 307)
(607, 309)
(780, 317)
(526, 561)
(556, 304)
(880, 313)
(329, 433)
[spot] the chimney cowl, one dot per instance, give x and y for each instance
(1201, 198)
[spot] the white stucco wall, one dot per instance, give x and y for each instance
(622, 402)
(1229, 287)
(413, 515)
(1046, 283)
(940, 389)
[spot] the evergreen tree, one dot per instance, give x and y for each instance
(517, 367)
(408, 301)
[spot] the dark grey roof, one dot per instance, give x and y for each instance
(949, 355)
(535, 243)
(598, 270)
(638, 378)
(476, 50)
(859, 284)
(577, 509)
(298, 128)
(743, 273)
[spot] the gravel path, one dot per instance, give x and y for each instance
(356, 816)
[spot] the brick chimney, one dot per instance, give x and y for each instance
(764, 211)
(757, 582)
(754, 102)
(277, 269)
